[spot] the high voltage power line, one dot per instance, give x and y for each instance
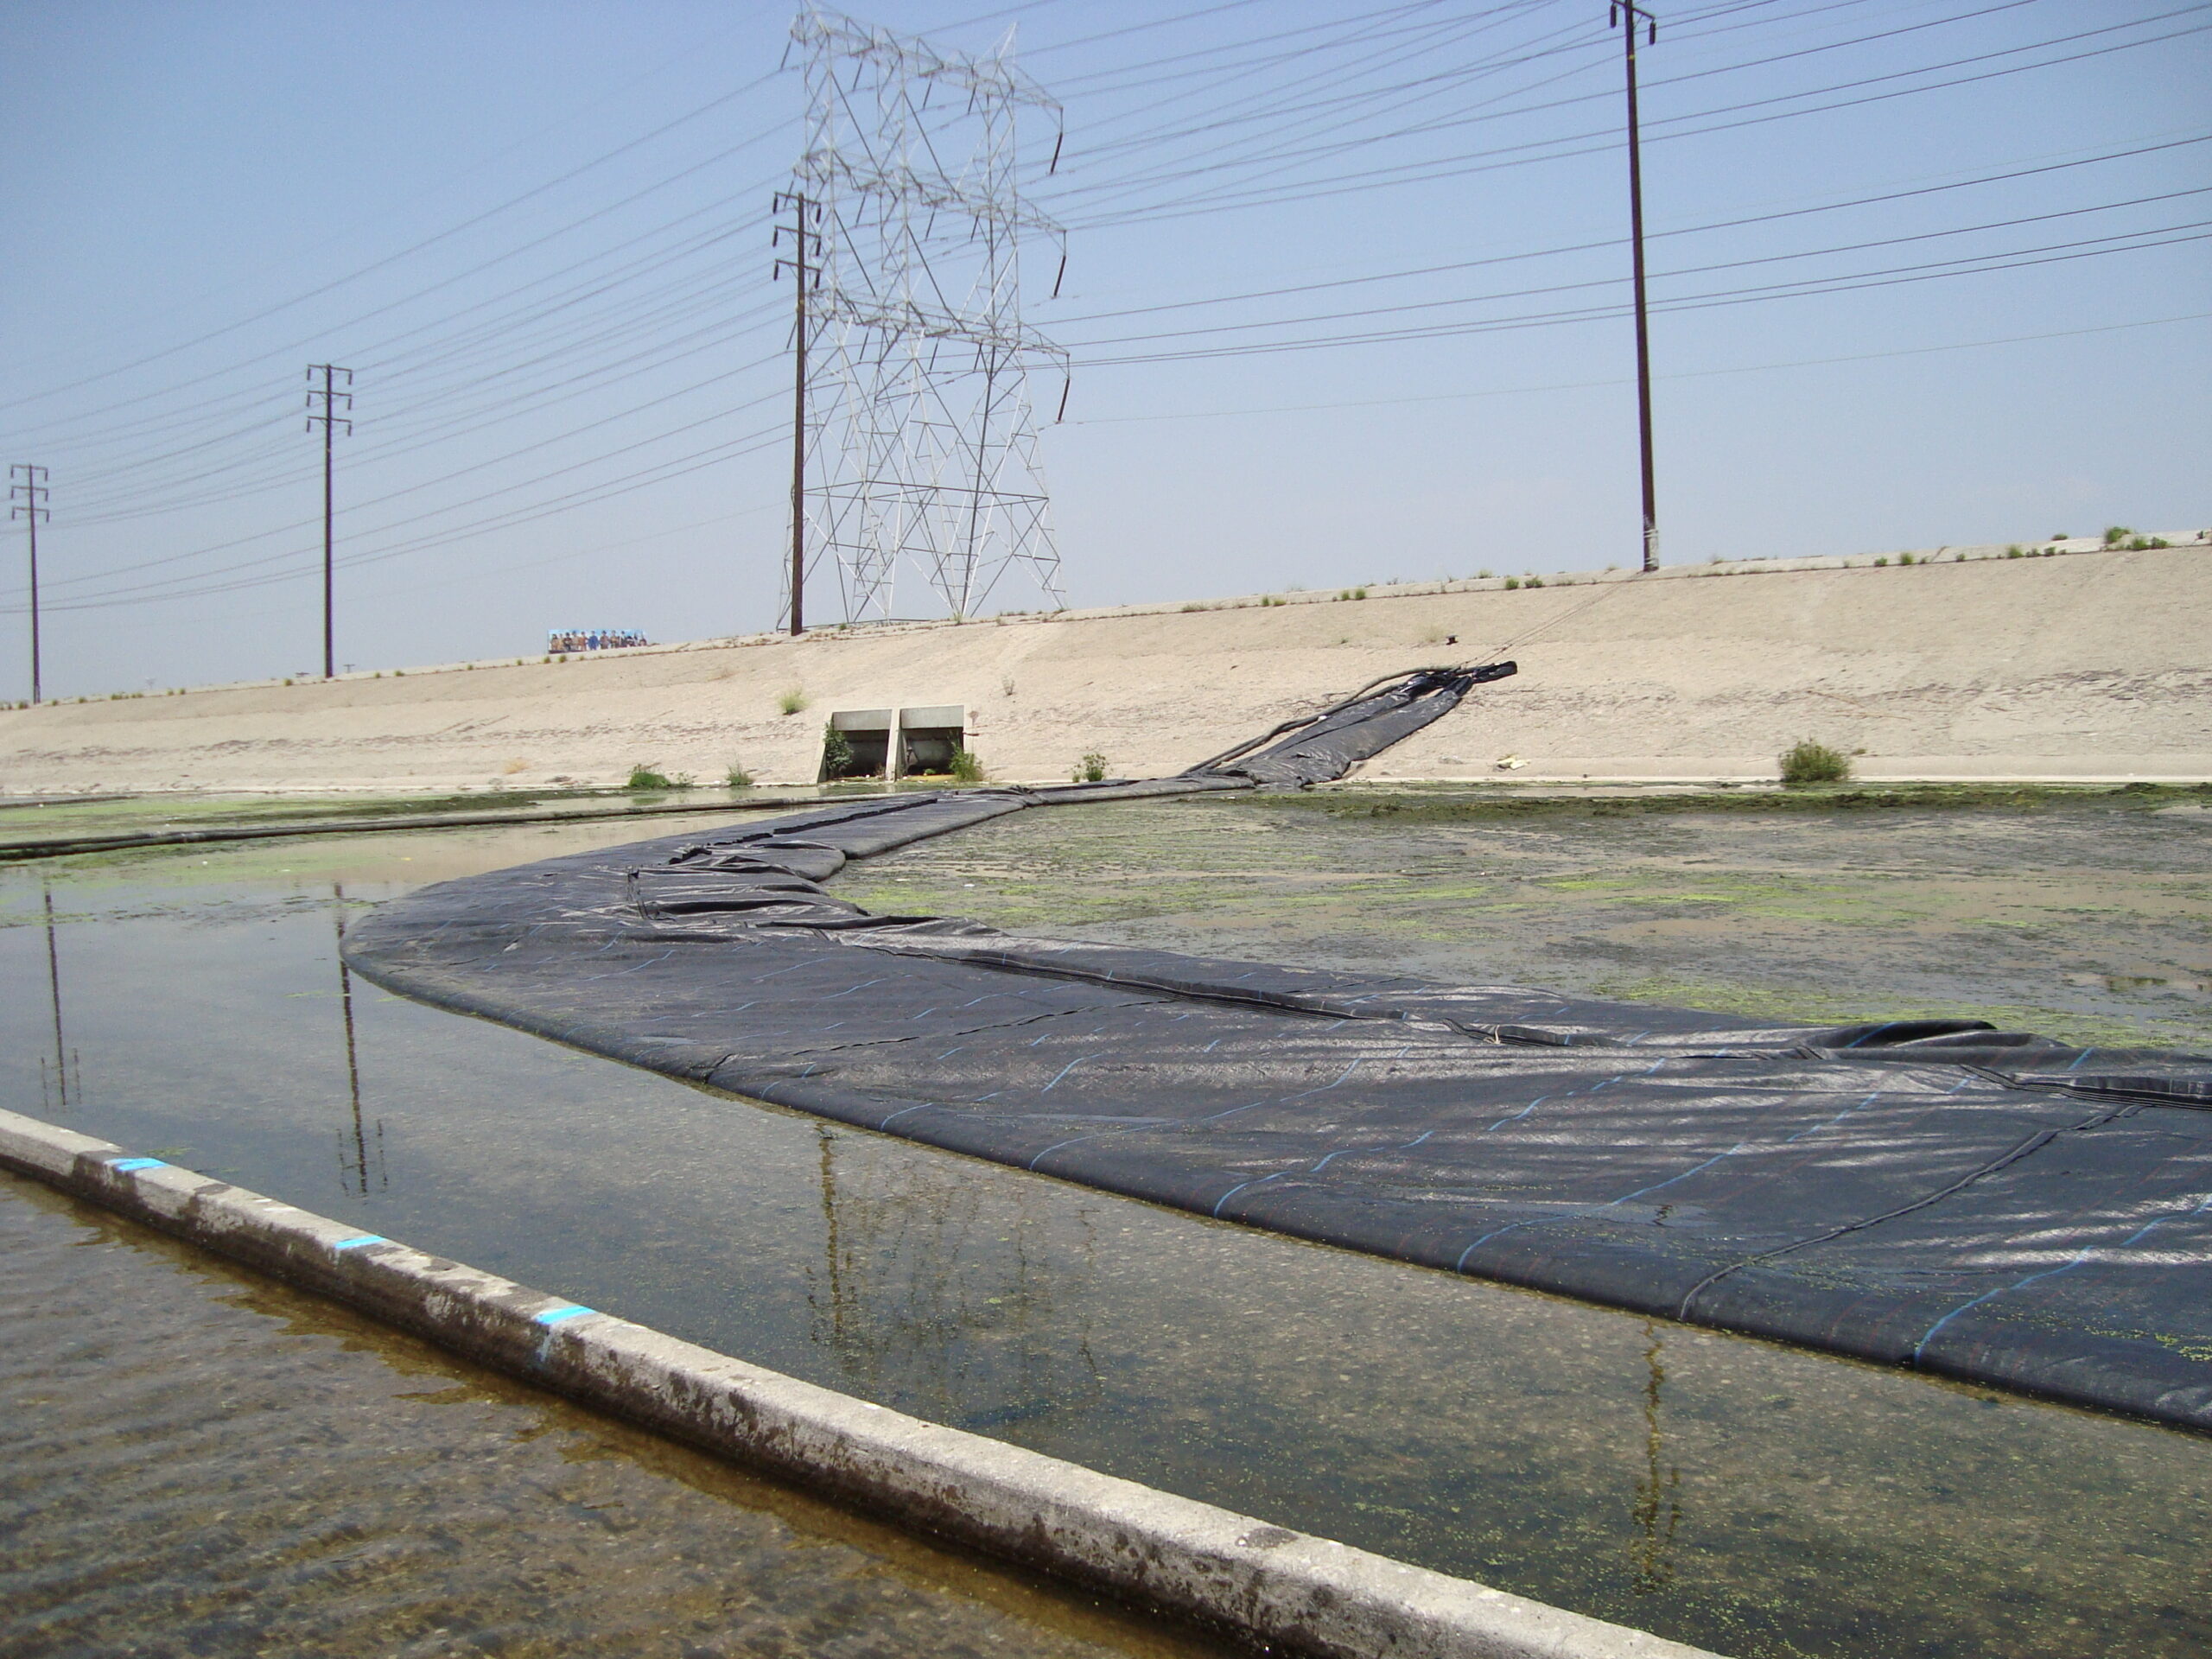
(650, 300)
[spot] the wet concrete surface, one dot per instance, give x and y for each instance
(1752, 1498)
(203, 1462)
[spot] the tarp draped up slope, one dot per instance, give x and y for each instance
(1983, 1204)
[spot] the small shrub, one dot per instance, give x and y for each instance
(1533, 581)
(1512, 583)
(1194, 605)
(966, 768)
(736, 776)
(643, 777)
(1906, 558)
(1272, 598)
(1808, 762)
(2014, 553)
(2060, 536)
(1881, 561)
(2115, 534)
(836, 751)
(1481, 575)
(793, 701)
(1091, 769)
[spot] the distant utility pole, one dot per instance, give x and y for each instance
(806, 245)
(32, 491)
(1628, 12)
(329, 420)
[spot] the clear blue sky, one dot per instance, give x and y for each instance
(539, 233)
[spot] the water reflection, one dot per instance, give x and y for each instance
(1657, 1510)
(54, 1085)
(358, 1153)
(936, 1293)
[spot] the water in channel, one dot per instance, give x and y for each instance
(202, 1461)
(1746, 1497)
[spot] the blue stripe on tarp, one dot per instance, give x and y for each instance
(122, 1166)
(555, 1315)
(359, 1240)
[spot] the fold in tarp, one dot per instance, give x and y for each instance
(1986, 1204)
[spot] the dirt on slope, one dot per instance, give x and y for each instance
(2089, 665)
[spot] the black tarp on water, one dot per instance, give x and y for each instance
(1982, 1204)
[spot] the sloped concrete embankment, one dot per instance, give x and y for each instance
(2089, 665)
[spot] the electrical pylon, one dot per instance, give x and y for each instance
(916, 414)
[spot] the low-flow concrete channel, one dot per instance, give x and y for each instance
(214, 1461)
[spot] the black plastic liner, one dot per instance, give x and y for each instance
(1983, 1204)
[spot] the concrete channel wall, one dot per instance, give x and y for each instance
(1965, 663)
(1232, 1573)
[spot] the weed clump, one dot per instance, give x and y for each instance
(736, 776)
(1091, 769)
(793, 701)
(966, 768)
(1808, 762)
(644, 778)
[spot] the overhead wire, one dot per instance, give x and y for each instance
(1230, 199)
(1893, 277)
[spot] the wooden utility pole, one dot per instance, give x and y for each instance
(1628, 11)
(329, 420)
(32, 491)
(804, 242)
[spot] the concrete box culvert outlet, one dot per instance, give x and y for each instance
(1287, 1590)
(898, 742)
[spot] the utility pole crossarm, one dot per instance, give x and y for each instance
(1627, 12)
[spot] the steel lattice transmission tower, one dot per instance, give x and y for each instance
(916, 414)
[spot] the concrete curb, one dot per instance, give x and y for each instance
(1262, 1583)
